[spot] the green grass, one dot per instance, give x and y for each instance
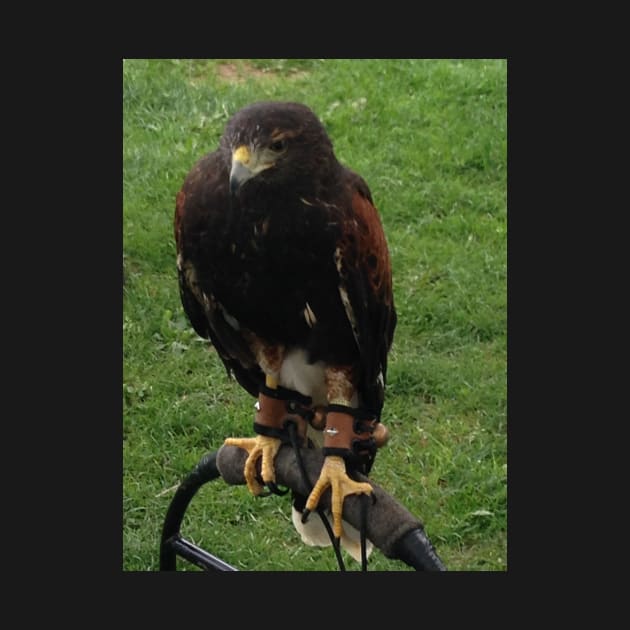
(430, 138)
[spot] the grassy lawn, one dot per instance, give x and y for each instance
(430, 138)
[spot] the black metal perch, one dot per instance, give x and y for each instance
(391, 527)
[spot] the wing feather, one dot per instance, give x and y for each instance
(365, 286)
(202, 197)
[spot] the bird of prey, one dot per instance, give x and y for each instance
(283, 265)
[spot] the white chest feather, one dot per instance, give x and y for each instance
(308, 379)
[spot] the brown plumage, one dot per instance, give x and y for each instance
(284, 266)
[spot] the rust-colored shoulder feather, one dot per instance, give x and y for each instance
(365, 272)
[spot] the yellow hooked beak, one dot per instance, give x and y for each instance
(240, 172)
(246, 164)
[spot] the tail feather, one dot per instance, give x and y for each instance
(314, 534)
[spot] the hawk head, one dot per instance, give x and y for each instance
(276, 143)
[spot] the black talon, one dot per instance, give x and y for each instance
(273, 488)
(305, 515)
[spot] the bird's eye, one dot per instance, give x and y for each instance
(278, 145)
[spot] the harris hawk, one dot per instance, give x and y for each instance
(283, 265)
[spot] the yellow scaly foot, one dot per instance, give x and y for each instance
(258, 447)
(334, 474)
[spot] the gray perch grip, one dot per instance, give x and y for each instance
(392, 528)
